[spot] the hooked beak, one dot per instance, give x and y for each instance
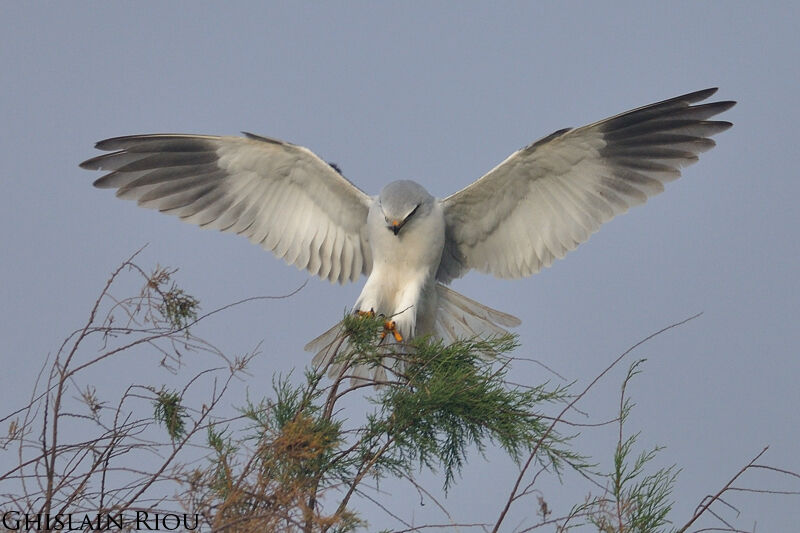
(397, 225)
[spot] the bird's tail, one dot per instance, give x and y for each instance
(334, 342)
(457, 317)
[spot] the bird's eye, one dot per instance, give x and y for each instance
(411, 214)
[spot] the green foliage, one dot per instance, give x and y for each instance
(636, 502)
(177, 307)
(169, 411)
(301, 441)
(301, 460)
(437, 403)
(361, 332)
(224, 451)
(455, 397)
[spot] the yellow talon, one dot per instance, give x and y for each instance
(390, 325)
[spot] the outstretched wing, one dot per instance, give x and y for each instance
(279, 195)
(547, 198)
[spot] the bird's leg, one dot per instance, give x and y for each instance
(391, 326)
(388, 325)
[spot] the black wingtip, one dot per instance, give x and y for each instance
(696, 96)
(261, 138)
(724, 124)
(91, 164)
(725, 105)
(335, 167)
(111, 142)
(715, 107)
(702, 94)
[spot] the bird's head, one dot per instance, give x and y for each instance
(402, 201)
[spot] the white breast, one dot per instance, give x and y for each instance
(401, 284)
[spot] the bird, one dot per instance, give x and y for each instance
(532, 208)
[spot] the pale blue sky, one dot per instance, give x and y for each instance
(439, 93)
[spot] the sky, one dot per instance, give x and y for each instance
(439, 93)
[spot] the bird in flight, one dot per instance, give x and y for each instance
(532, 208)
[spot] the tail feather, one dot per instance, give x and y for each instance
(324, 345)
(334, 342)
(459, 317)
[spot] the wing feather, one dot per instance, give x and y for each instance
(285, 223)
(279, 195)
(547, 198)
